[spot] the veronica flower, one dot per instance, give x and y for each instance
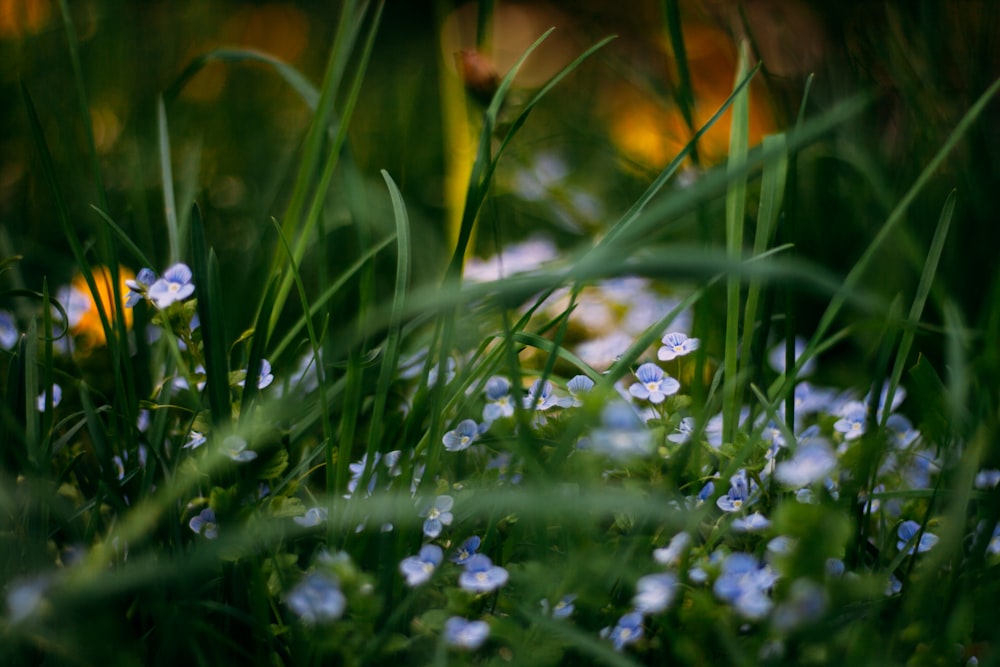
(264, 378)
(670, 555)
(852, 421)
(498, 399)
(654, 385)
(655, 592)
(752, 523)
(175, 285)
(627, 631)
(621, 433)
(562, 609)
(418, 569)
(811, 463)
(577, 386)
(137, 288)
(461, 436)
(313, 517)
(8, 330)
(777, 356)
(540, 396)
(745, 584)
(317, 599)
(741, 490)
(235, 448)
(481, 575)
(204, 524)
(987, 479)
(466, 551)
(676, 344)
(906, 532)
(685, 429)
(56, 391)
(463, 634)
(194, 441)
(438, 514)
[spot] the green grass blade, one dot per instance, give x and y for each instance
(390, 357)
(204, 267)
(257, 350)
(735, 211)
(920, 299)
(167, 185)
(124, 239)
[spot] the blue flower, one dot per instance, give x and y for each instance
(313, 517)
(627, 631)
(655, 593)
(577, 386)
(462, 436)
(752, 523)
(481, 575)
(654, 385)
(56, 398)
(438, 514)
(265, 377)
(235, 448)
(194, 441)
(811, 463)
(740, 493)
(987, 479)
(562, 609)
(25, 598)
(744, 583)
(852, 420)
(906, 532)
(498, 400)
(317, 599)
(684, 431)
(540, 396)
(357, 470)
(8, 330)
(418, 569)
(204, 524)
(676, 344)
(463, 634)
(670, 555)
(137, 288)
(776, 357)
(466, 551)
(621, 433)
(806, 603)
(175, 285)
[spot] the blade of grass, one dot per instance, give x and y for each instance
(213, 330)
(735, 211)
(167, 185)
(919, 300)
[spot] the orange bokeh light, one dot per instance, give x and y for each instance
(88, 329)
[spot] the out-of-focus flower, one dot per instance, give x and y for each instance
(655, 592)
(418, 569)
(264, 378)
(8, 330)
(621, 433)
(204, 524)
(313, 517)
(235, 448)
(481, 575)
(56, 392)
(25, 598)
(744, 583)
(438, 514)
(317, 599)
(670, 555)
(498, 400)
(463, 435)
(577, 386)
(466, 551)
(906, 532)
(811, 463)
(562, 609)
(627, 631)
(463, 634)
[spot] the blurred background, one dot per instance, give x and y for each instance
(586, 153)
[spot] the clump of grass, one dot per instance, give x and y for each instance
(449, 473)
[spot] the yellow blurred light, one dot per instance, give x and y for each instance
(88, 329)
(20, 18)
